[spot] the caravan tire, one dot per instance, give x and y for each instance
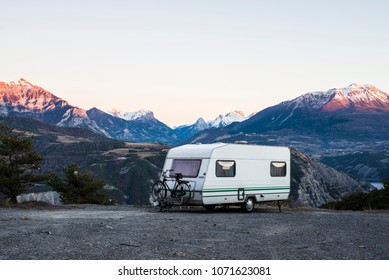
(249, 205)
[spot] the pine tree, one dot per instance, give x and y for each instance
(79, 187)
(385, 183)
(18, 163)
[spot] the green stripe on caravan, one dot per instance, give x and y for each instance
(272, 188)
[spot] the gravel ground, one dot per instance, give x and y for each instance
(128, 232)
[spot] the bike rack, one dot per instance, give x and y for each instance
(169, 202)
(165, 205)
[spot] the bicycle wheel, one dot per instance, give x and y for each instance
(158, 191)
(183, 193)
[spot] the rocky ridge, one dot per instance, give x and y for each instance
(314, 183)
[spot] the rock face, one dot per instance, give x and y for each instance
(314, 183)
(50, 197)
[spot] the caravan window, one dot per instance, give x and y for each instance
(278, 169)
(225, 168)
(187, 167)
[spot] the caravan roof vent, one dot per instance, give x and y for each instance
(241, 142)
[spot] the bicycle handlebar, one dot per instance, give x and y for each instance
(177, 176)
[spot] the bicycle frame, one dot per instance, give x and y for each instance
(181, 190)
(177, 181)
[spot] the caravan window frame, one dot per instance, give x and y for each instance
(217, 168)
(192, 175)
(278, 171)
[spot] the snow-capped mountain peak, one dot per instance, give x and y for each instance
(201, 124)
(360, 97)
(24, 95)
(130, 116)
(224, 120)
(312, 100)
(23, 99)
(187, 131)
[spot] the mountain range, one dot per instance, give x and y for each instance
(187, 131)
(327, 124)
(349, 119)
(23, 99)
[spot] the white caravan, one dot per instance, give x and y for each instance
(237, 174)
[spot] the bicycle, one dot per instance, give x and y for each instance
(181, 190)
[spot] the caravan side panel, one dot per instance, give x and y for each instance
(252, 177)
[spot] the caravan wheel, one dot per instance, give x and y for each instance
(249, 205)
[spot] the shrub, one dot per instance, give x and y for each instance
(375, 200)
(80, 187)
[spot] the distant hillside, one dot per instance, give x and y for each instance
(127, 168)
(372, 166)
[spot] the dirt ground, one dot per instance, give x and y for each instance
(128, 232)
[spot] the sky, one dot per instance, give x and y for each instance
(185, 59)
